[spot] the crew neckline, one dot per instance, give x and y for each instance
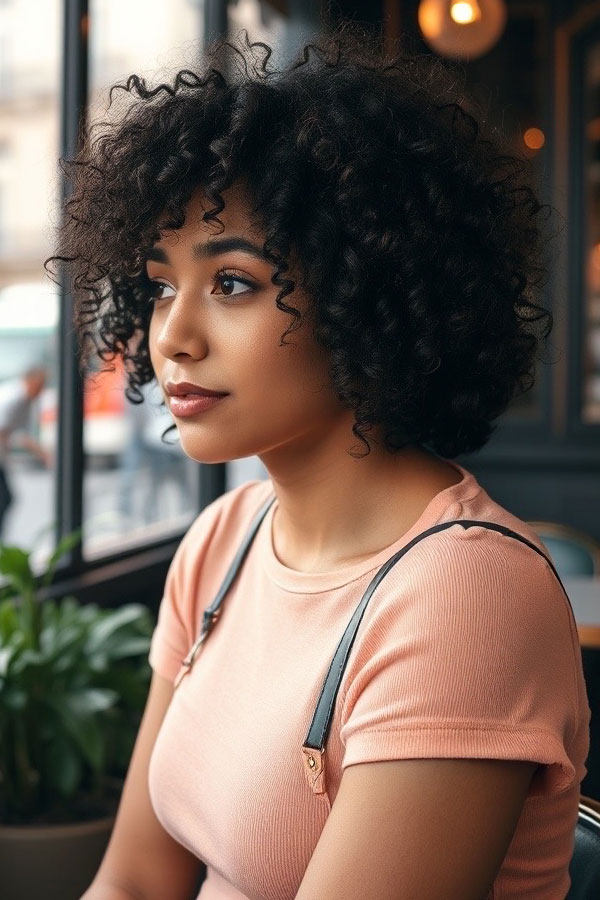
(449, 499)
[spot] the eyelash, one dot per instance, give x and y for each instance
(219, 275)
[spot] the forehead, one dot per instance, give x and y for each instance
(235, 217)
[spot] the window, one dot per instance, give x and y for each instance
(29, 117)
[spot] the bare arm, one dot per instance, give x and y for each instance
(142, 861)
(434, 828)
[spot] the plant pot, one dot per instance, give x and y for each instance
(56, 862)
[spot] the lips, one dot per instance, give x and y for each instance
(187, 389)
(198, 394)
(192, 404)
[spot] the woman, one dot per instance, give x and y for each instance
(357, 203)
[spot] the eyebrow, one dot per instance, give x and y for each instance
(210, 249)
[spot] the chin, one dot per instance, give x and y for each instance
(201, 455)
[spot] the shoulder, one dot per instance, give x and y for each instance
(475, 541)
(499, 553)
(473, 544)
(475, 585)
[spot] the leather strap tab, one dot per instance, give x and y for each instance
(314, 769)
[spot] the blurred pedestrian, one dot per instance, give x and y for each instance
(16, 396)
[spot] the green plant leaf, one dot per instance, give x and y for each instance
(85, 730)
(28, 659)
(91, 700)
(64, 768)
(66, 543)
(55, 641)
(9, 620)
(8, 591)
(130, 682)
(70, 609)
(14, 563)
(102, 630)
(14, 698)
(130, 646)
(98, 662)
(6, 654)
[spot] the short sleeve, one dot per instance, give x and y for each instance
(468, 653)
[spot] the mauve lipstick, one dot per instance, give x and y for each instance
(192, 404)
(181, 388)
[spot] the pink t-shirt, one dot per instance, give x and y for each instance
(467, 648)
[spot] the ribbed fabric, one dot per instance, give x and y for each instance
(467, 648)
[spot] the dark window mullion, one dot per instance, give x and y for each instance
(215, 20)
(69, 456)
(212, 480)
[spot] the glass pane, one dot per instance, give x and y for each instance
(591, 237)
(136, 487)
(263, 22)
(30, 51)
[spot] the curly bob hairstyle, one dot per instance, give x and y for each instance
(414, 229)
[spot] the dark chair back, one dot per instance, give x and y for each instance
(585, 862)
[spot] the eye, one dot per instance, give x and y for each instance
(156, 287)
(225, 276)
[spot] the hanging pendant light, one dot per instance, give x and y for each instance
(461, 29)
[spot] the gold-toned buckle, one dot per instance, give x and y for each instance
(187, 663)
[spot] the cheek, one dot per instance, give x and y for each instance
(294, 377)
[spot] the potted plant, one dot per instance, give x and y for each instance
(73, 684)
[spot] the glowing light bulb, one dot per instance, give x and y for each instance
(465, 11)
(461, 29)
(534, 138)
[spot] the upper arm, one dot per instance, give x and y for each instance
(141, 856)
(412, 828)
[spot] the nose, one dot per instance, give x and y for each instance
(178, 332)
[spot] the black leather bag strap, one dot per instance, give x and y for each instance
(212, 612)
(313, 748)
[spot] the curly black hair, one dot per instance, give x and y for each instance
(414, 228)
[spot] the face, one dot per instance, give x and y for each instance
(215, 323)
